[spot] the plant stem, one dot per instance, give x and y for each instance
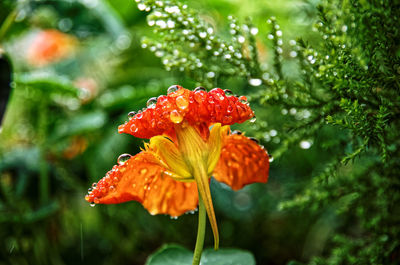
(201, 230)
(43, 167)
(7, 23)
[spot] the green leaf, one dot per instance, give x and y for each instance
(177, 255)
(80, 124)
(47, 83)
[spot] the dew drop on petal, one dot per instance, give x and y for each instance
(237, 132)
(151, 103)
(199, 96)
(254, 140)
(172, 89)
(175, 116)
(243, 99)
(92, 204)
(182, 102)
(227, 119)
(133, 128)
(131, 114)
(123, 158)
(199, 88)
(228, 92)
(271, 158)
(253, 120)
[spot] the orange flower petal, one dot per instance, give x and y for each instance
(242, 162)
(198, 108)
(142, 178)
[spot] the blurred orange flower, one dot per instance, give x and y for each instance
(77, 146)
(183, 153)
(49, 46)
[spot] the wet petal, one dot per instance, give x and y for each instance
(242, 162)
(195, 107)
(142, 178)
(169, 153)
(214, 147)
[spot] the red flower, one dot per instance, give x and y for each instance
(183, 153)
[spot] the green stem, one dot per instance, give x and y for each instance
(7, 23)
(43, 167)
(201, 230)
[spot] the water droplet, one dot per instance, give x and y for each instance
(211, 74)
(175, 116)
(305, 144)
(255, 81)
(142, 6)
(92, 204)
(151, 103)
(200, 96)
(123, 158)
(254, 140)
(241, 39)
(237, 132)
(94, 185)
(228, 92)
(273, 133)
(199, 88)
(111, 188)
(203, 35)
(293, 54)
(172, 89)
(243, 99)
(174, 217)
(254, 31)
(182, 102)
(227, 119)
(227, 56)
(271, 158)
(133, 128)
(131, 114)
(279, 33)
(253, 120)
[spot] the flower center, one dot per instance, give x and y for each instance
(193, 158)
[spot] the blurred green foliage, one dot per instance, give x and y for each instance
(323, 78)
